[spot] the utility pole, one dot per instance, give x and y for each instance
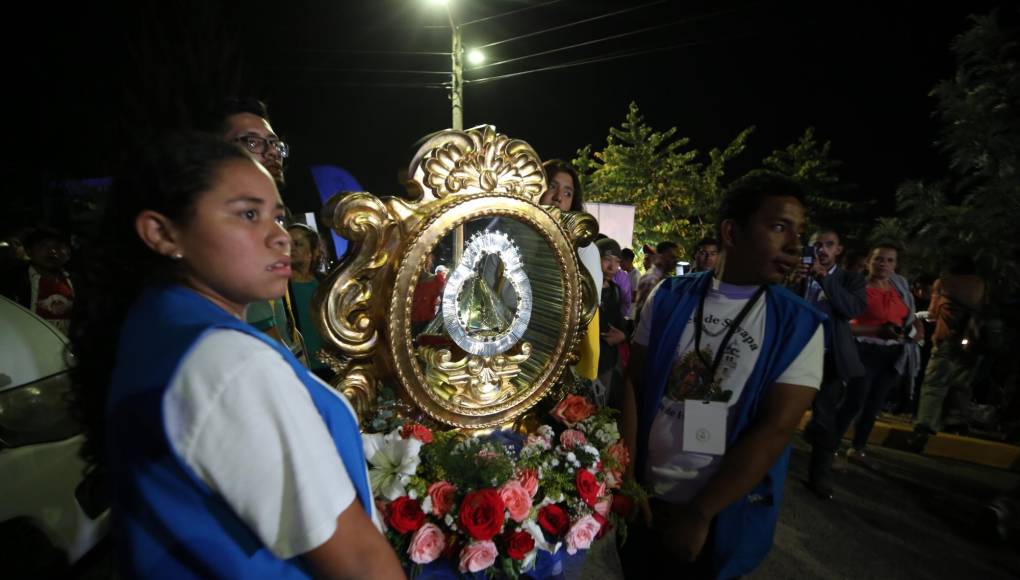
(457, 106)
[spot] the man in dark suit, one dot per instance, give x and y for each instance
(841, 295)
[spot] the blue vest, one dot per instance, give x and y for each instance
(743, 531)
(167, 522)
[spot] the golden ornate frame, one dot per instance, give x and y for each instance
(363, 309)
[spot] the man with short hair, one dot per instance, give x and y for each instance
(627, 265)
(842, 296)
(663, 264)
(706, 252)
(723, 366)
(245, 121)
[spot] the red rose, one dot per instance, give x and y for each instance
(553, 520)
(518, 544)
(418, 431)
(588, 487)
(622, 505)
(481, 514)
(572, 410)
(405, 515)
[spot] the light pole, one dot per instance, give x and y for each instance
(457, 99)
(457, 89)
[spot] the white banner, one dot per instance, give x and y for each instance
(615, 221)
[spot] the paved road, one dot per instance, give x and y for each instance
(916, 518)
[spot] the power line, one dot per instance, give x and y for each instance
(374, 85)
(607, 38)
(386, 52)
(568, 25)
(360, 70)
(519, 10)
(598, 59)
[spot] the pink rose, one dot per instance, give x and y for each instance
(426, 544)
(478, 556)
(517, 500)
(572, 410)
(603, 506)
(572, 438)
(582, 534)
(443, 495)
(529, 480)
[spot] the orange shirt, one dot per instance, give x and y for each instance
(883, 306)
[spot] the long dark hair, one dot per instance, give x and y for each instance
(554, 166)
(166, 176)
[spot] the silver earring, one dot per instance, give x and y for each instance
(176, 255)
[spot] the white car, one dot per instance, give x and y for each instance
(50, 514)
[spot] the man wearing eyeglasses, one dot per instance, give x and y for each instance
(245, 121)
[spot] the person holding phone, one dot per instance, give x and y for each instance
(841, 295)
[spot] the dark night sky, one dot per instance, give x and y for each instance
(858, 72)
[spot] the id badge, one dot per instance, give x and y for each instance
(705, 426)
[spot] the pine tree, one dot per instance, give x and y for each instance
(810, 163)
(673, 193)
(975, 209)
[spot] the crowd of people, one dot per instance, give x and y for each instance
(197, 374)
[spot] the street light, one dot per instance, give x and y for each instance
(476, 56)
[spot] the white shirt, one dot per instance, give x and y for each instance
(245, 424)
(678, 476)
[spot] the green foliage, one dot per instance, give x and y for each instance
(810, 163)
(467, 462)
(973, 210)
(673, 193)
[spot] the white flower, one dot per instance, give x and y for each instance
(571, 457)
(426, 504)
(554, 463)
(536, 532)
(411, 493)
(394, 460)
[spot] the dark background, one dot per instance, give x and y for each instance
(105, 75)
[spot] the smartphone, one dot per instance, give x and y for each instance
(808, 256)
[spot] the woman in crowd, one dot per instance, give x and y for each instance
(225, 457)
(564, 191)
(306, 262)
(883, 337)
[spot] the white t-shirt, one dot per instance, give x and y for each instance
(242, 420)
(675, 475)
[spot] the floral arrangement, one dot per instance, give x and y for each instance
(503, 503)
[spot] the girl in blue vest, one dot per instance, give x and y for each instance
(225, 457)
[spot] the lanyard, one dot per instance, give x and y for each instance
(699, 321)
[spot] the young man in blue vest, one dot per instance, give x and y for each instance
(724, 365)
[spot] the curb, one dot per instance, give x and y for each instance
(969, 449)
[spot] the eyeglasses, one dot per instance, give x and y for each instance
(257, 144)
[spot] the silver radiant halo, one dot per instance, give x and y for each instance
(458, 312)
